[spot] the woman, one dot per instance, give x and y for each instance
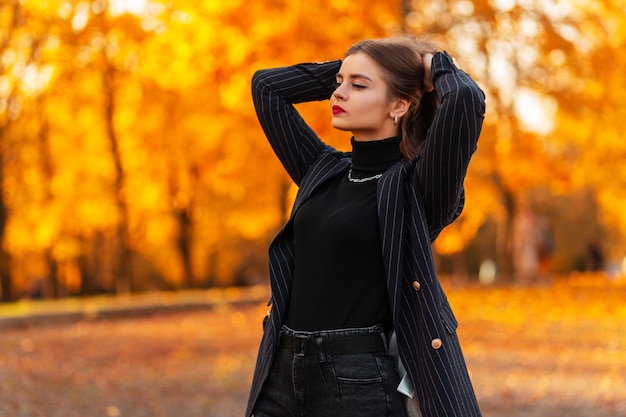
(352, 270)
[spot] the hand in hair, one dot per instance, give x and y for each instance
(428, 85)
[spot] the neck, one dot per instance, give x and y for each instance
(385, 133)
(375, 156)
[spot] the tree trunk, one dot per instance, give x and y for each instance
(182, 213)
(51, 283)
(123, 277)
(6, 284)
(284, 202)
(183, 244)
(211, 275)
(504, 257)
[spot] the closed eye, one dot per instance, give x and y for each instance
(354, 78)
(356, 86)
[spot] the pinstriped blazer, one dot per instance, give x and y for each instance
(416, 200)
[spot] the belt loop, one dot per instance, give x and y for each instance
(300, 349)
(319, 342)
(383, 336)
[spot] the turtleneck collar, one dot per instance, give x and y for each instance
(377, 155)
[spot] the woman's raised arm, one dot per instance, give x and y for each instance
(450, 143)
(274, 91)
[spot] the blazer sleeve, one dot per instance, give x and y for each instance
(450, 142)
(274, 92)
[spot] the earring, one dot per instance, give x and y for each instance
(395, 120)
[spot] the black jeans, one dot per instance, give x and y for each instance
(324, 385)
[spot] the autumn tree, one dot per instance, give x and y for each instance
(533, 59)
(130, 147)
(20, 80)
(11, 20)
(147, 142)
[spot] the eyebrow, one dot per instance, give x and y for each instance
(354, 76)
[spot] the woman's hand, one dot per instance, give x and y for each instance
(428, 85)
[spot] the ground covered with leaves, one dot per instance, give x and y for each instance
(540, 351)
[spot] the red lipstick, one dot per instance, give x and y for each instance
(338, 109)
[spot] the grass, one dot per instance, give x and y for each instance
(553, 349)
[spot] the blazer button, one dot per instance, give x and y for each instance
(436, 343)
(416, 285)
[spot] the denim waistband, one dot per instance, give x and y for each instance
(333, 332)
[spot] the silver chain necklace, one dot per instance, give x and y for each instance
(366, 179)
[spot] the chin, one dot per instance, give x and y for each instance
(340, 126)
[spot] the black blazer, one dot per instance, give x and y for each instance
(416, 200)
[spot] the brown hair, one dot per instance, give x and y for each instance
(400, 57)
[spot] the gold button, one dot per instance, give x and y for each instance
(416, 285)
(436, 343)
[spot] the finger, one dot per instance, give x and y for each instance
(428, 85)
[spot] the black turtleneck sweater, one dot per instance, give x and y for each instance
(339, 279)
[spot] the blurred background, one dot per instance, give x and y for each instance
(131, 159)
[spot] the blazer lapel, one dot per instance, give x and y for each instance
(324, 168)
(391, 215)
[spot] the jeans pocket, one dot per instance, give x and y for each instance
(367, 385)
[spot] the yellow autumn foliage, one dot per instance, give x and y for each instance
(130, 124)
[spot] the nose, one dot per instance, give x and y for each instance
(338, 94)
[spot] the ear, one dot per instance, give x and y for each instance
(400, 106)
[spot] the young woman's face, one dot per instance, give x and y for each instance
(360, 103)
